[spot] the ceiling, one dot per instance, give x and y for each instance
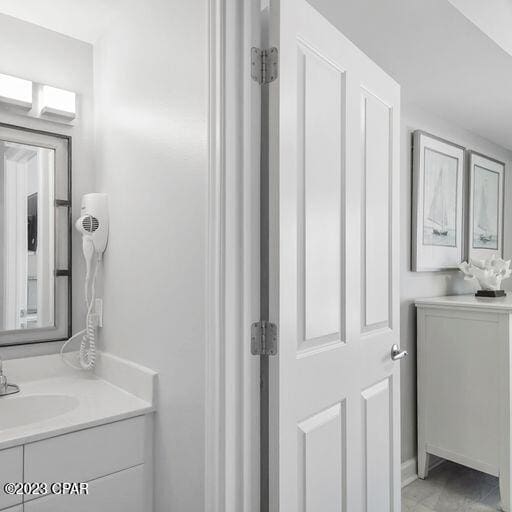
(494, 17)
(442, 60)
(451, 57)
(82, 19)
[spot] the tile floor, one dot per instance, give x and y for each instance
(452, 488)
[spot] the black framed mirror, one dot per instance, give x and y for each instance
(35, 238)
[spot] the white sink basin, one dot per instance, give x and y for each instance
(17, 411)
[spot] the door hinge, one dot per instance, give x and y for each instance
(264, 65)
(264, 338)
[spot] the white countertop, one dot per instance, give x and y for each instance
(503, 304)
(94, 400)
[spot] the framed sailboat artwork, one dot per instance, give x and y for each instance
(438, 203)
(486, 194)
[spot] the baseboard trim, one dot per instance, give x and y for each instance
(410, 469)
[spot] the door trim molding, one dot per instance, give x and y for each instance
(214, 425)
(409, 472)
(232, 298)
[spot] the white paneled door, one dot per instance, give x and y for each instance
(334, 206)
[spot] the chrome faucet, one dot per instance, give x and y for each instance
(5, 387)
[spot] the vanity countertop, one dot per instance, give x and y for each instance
(503, 304)
(55, 399)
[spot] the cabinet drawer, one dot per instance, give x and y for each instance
(120, 492)
(87, 454)
(11, 470)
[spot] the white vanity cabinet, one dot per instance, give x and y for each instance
(464, 361)
(11, 470)
(115, 460)
(120, 492)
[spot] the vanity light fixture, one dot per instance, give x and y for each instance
(15, 91)
(58, 102)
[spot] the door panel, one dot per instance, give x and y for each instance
(320, 122)
(321, 459)
(377, 447)
(333, 286)
(376, 213)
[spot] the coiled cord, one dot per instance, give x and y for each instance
(87, 352)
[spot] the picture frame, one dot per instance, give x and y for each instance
(438, 203)
(486, 180)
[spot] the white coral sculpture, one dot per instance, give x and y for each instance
(489, 273)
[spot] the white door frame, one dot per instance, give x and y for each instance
(232, 373)
(15, 233)
(232, 474)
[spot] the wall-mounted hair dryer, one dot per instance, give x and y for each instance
(93, 225)
(93, 221)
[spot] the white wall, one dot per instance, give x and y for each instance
(151, 87)
(429, 284)
(31, 52)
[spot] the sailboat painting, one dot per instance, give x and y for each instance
(440, 199)
(486, 184)
(437, 203)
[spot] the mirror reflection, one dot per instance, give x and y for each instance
(27, 236)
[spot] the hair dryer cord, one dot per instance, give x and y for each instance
(87, 352)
